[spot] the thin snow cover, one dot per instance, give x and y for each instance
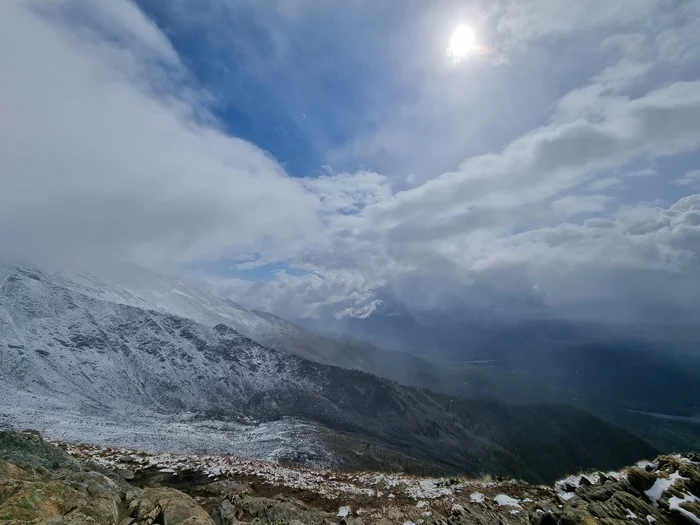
(408, 523)
(648, 465)
(476, 497)
(343, 512)
(457, 508)
(507, 501)
(651, 519)
(660, 486)
(563, 486)
(514, 512)
(421, 504)
(631, 515)
(325, 482)
(674, 503)
(427, 514)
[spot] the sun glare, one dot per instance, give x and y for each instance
(462, 43)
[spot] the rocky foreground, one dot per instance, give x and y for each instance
(64, 484)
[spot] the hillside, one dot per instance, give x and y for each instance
(520, 361)
(84, 368)
(78, 484)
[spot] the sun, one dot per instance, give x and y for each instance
(462, 43)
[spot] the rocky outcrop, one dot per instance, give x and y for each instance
(41, 483)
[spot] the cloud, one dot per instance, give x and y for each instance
(96, 163)
(494, 213)
(547, 18)
(349, 192)
(604, 183)
(453, 186)
(691, 178)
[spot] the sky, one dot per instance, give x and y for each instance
(327, 159)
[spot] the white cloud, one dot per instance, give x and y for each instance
(349, 192)
(131, 21)
(461, 225)
(528, 20)
(103, 153)
(94, 163)
(575, 204)
(691, 178)
(604, 183)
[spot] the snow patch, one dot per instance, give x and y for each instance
(507, 501)
(476, 497)
(674, 503)
(660, 486)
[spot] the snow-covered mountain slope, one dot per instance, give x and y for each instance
(136, 286)
(65, 352)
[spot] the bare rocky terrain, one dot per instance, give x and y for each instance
(70, 484)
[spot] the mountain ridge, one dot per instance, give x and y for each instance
(79, 351)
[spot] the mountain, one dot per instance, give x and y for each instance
(136, 286)
(78, 484)
(84, 367)
(517, 360)
(645, 378)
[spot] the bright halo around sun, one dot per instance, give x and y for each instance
(463, 43)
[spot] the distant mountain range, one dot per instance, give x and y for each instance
(137, 355)
(649, 387)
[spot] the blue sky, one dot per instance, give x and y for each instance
(322, 159)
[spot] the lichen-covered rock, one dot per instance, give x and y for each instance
(29, 447)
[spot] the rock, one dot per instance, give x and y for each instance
(584, 482)
(177, 508)
(640, 479)
(279, 510)
(29, 447)
(126, 474)
(227, 513)
(394, 513)
(48, 499)
(32, 493)
(126, 459)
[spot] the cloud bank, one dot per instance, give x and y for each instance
(110, 149)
